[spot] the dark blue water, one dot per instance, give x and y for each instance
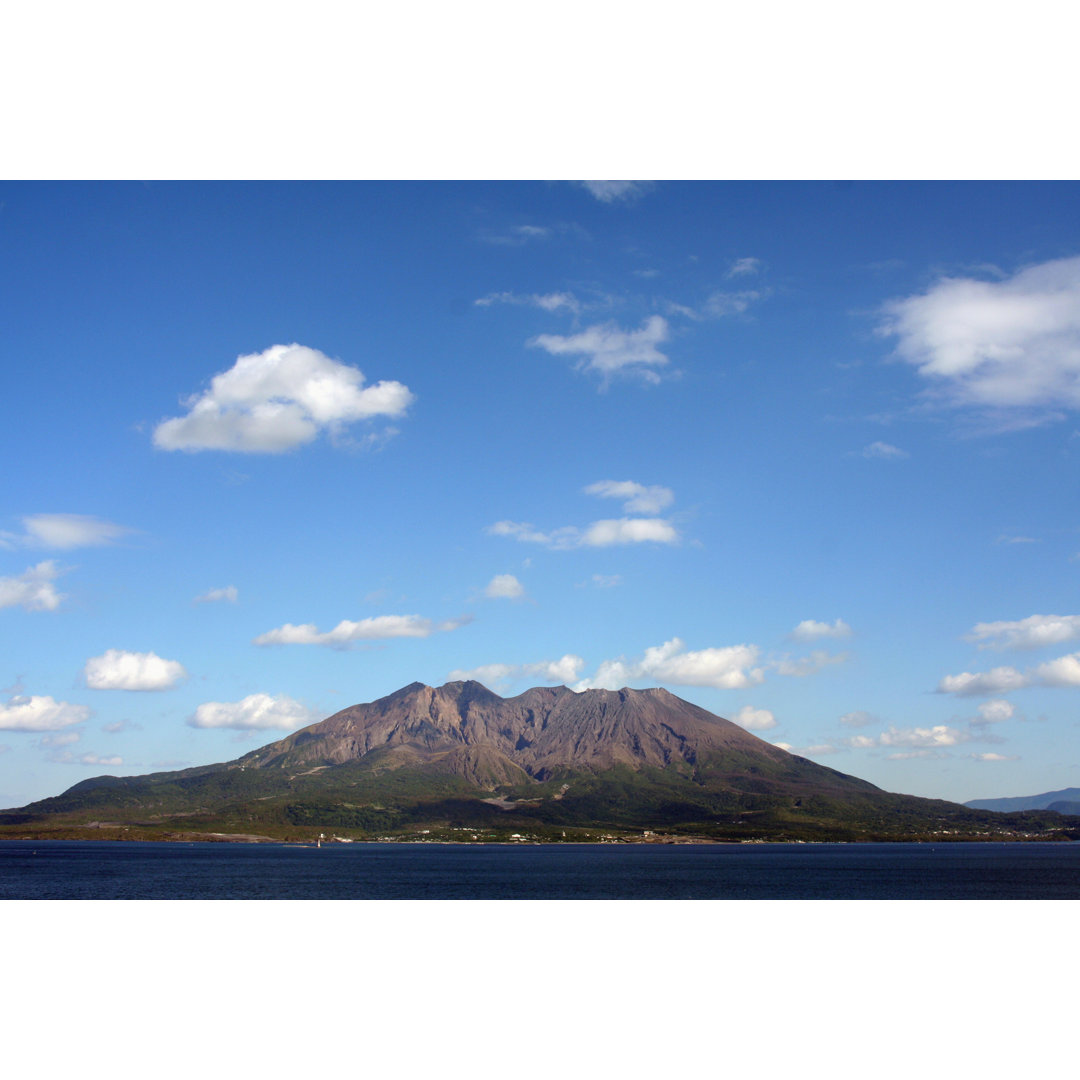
(81, 870)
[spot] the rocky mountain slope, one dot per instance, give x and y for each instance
(472, 731)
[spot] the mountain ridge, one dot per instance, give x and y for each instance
(1066, 797)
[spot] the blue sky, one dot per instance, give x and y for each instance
(800, 452)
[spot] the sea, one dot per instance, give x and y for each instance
(91, 870)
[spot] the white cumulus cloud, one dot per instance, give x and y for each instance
(930, 737)
(377, 628)
(504, 587)
(229, 594)
(255, 712)
(1031, 633)
(993, 712)
(40, 714)
(733, 667)
(1007, 344)
(629, 531)
(754, 719)
(610, 350)
(120, 670)
(999, 680)
(993, 757)
(1064, 671)
(278, 399)
(812, 630)
(33, 589)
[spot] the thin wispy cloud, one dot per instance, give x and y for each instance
(636, 498)
(277, 400)
(229, 595)
(802, 666)
(883, 451)
(611, 351)
(66, 757)
(608, 532)
(812, 630)
(64, 532)
(493, 676)
(604, 581)
(553, 302)
(376, 628)
(516, 235)
(858, 718)
(613, 191)
(717, 305)
(745, 267)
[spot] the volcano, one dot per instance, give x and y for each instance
(460, 762)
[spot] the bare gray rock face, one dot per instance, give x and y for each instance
(475, 733)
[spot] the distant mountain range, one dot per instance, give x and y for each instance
(458, 762)
(1066, 801)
